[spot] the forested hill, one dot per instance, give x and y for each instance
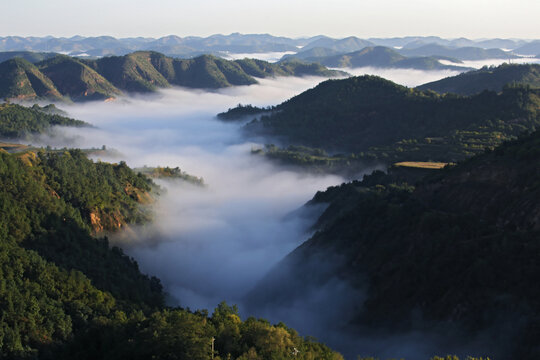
(18, 121)
(457, 254)
(65, 294)
(378, 119)
(144, 71)
(487, 78)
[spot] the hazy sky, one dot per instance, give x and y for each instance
(338, 18)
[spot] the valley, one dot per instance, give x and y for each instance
(384, 219)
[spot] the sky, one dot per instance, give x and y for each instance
(292, 18)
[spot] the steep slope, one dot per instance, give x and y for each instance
(458, 252)
(133, 72)
(22, 80)
(68, 295)
(210, 72)
(531, 48)
(487, 78)
(379, 120)
(77, 80)
(461, 53)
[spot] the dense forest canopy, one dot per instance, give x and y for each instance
(458, 247)
(368, 119)
(65, 294)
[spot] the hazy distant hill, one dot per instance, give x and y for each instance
(143, 71)
(492, 78)
(377, 56)
(531, 48)
(417, 41)
(456, 256)
(461, 53)
(349, 44)
(190, 46)
(312, 54)
(170, 45)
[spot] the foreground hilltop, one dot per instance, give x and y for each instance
(455, 255)
(106, 78)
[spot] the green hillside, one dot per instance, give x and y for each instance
(457, 253)
(377, 120)
(146, 71)
(487, 78)
(65, 294)
(22, 80)
(76, 80)
(133, 72)
(18, 122)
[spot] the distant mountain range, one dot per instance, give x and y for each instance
(240, 43)
(378, 56)
(63, 76)
(461, 53)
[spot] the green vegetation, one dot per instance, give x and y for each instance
(76, 80)
(107, 195)
(64, 77)
(22, 80)
(242, 111)
(145, 71)
(376, 120)
(487, 78)
(170, 173)
(459, 248)
(17, 121)
(313, 159)
(65, 294)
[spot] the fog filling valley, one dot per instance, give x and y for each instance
(214, 243)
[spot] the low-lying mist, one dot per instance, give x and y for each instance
(407, 77)
(212, 243)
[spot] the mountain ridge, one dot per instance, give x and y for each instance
(76, 79)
